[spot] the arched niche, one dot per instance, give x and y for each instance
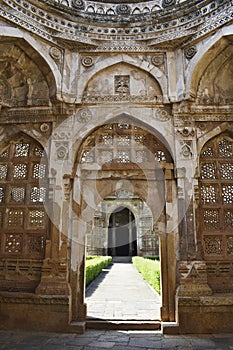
(211, 77)
(25, 77)
(122, 81)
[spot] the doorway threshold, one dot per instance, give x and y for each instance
(126, 325)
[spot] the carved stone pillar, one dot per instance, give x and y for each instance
(54, 277)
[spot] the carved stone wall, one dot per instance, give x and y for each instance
(129, 96)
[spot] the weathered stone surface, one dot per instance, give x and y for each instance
(106, 107)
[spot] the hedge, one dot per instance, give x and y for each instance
(150, 271)
(94, 265)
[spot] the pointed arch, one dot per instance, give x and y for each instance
(206, 54)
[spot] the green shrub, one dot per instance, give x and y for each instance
(155, 257)
(94, 265)
(150, 271)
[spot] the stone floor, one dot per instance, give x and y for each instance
(120, 293)
(114, 340)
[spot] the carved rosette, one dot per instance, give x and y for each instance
(168, 3)
(190, 52)
(44, 128)
(84, 115)
(157, 60)
(123, 9)
(161, 114)
(55, 53)
(78, 4)
(87, 61)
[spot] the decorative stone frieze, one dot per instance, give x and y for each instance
(186, 132)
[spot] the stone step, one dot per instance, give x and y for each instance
(121, 259)
(123, 325)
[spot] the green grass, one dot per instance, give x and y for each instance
(94, 265)
(150, 271)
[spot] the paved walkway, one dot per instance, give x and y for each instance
(120, 293)
(112, 340)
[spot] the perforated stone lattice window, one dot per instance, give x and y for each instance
(216, 196)
(36, 218)
(14, 243)
(23, 192)
(123, 143)
(20, 171)
(15, 218)
(3, 171)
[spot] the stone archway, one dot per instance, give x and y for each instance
(123, 152)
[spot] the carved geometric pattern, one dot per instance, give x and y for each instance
(36, 244)
(22, 150)
(38, 194)
(226, 171)
(15, 218)
(4, 154)
(208, 194)
(123, 156)
(208, 152)
(36, 218)
(228, 219)
(3, 171)
(213, 245)
(141, 156)
(211, 219)
(14, 243)
(23, 191)
(140, 139)
(225, 149)
(123, 143)
(20, 171)
(106, 139)
(39, 152)
(88, 157)
(39, 171)
(1, 194)
(160, 156)
(227, 194)
(106, 157)
(17, 194)
(123, 140)
(208, 171)
(230, 245)
(216, 193)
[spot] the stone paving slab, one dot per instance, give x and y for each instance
(114, 340)
(120, 293)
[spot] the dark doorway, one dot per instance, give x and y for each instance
(122, 237)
